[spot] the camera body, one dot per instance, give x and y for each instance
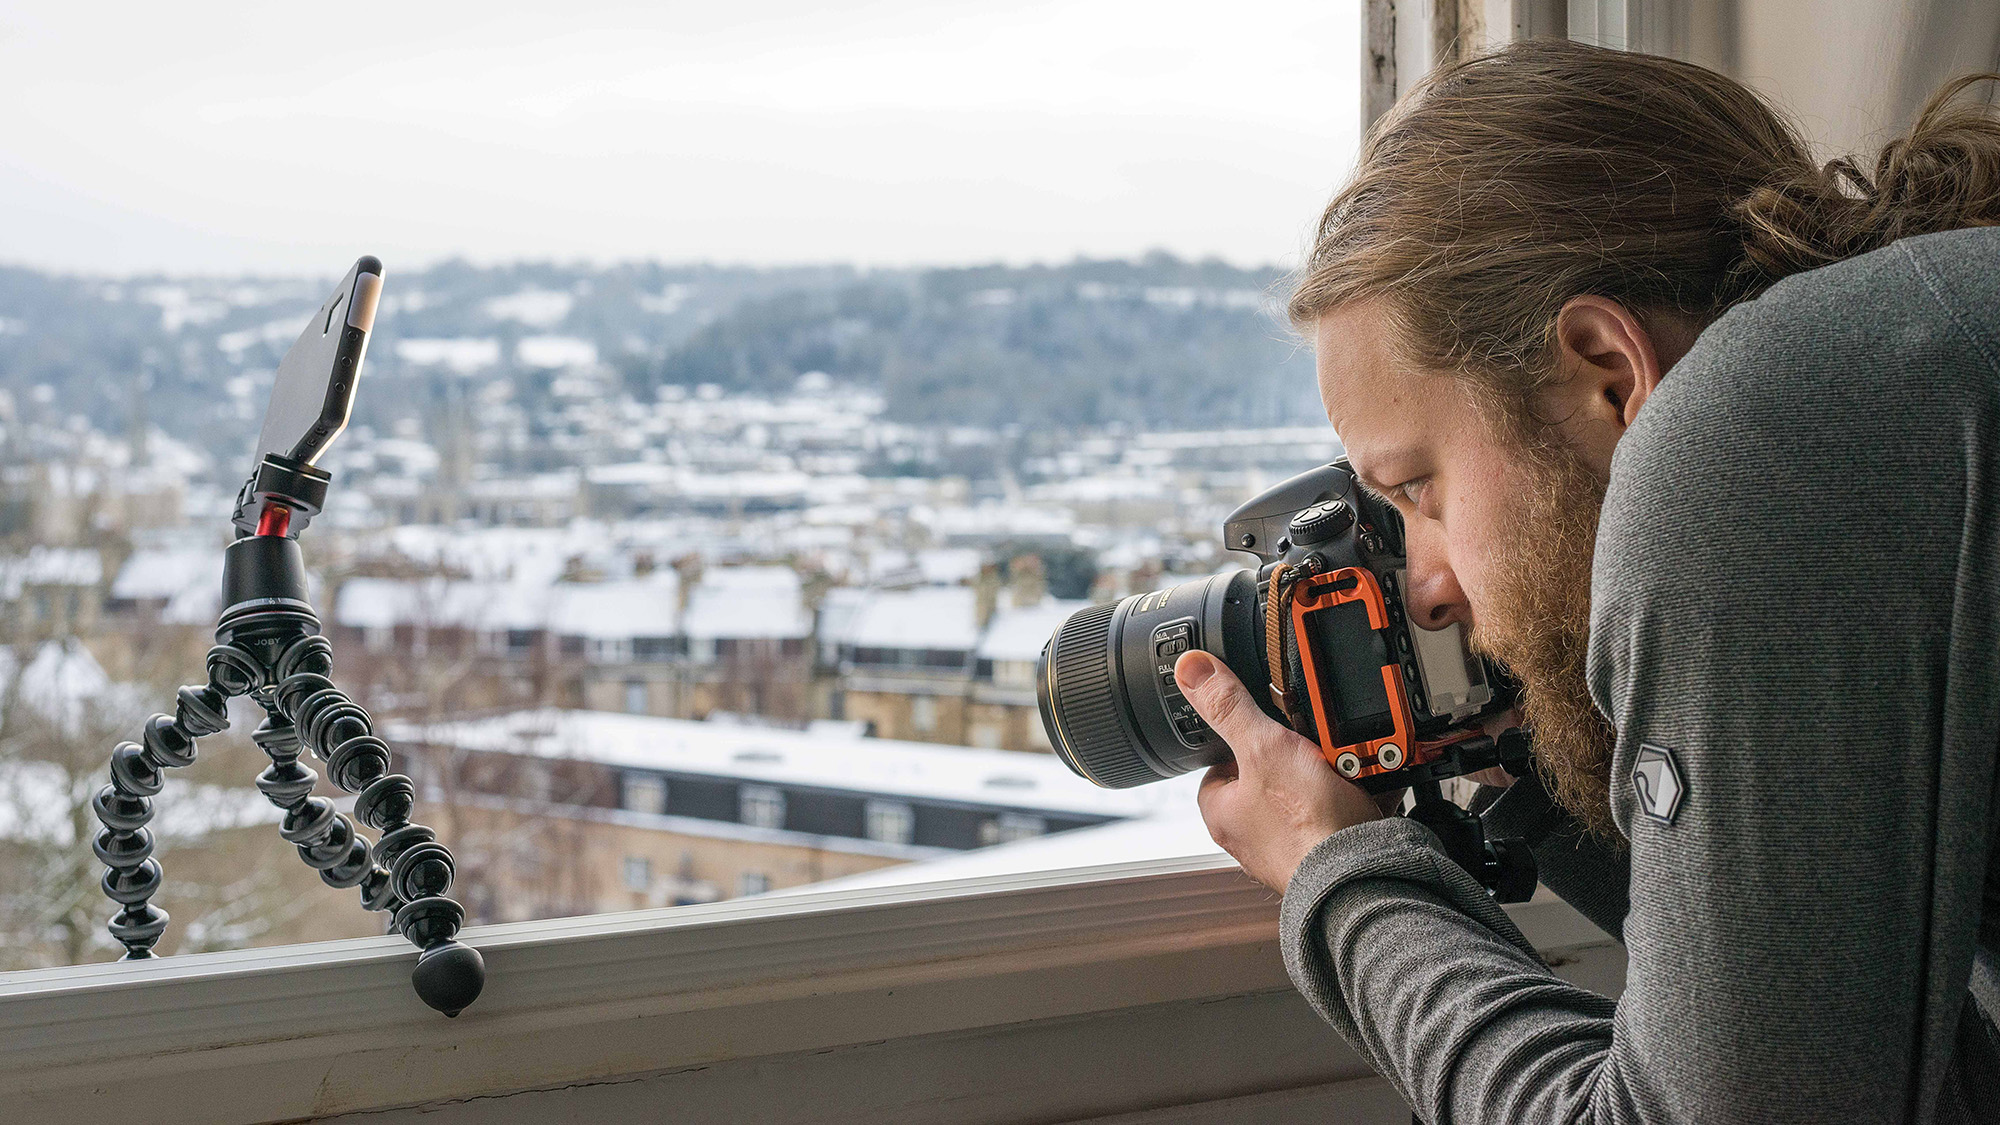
(1385, 697)
(1318, 633)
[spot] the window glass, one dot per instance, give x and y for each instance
(761, 806)
(645, 792)
(676, 560)
(638, 873)
(891, 822)
(1009, 827)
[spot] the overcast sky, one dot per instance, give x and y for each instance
(204, 137)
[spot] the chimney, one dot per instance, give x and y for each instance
(1028, 580)
(986, 592)
(688, 566)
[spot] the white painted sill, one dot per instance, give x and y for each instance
(308, 1031)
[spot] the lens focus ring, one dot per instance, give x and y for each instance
(1084, 704)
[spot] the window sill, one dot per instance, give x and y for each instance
(878, 979)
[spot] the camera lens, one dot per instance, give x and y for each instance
(1106, 686)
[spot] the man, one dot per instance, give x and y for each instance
(1580, 301)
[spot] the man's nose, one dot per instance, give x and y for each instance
(1432, 596)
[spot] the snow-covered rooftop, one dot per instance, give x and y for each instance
(633, 607)
(64, 684)
(555, 351)
(748, 602)
(379, 603)
(162, 572)
(932, 617)
(462, 355)
(838, 608)
(1019, 634)
(999, 778)
(50, 566)
(937, 566)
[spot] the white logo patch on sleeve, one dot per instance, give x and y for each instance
(1656, 778)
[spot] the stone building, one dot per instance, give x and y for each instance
(569, 812)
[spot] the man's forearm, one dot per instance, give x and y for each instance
(1423, 973)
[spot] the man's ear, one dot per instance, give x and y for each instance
(1610, 362)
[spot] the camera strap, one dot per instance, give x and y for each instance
(1277, 609)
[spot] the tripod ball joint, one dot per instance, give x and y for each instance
(449, 976)
(311, 653)
(387, 802)
(201, 710)
(234, 671)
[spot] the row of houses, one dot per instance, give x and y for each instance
(931, 663)
(941, 650)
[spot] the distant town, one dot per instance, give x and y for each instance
(668, 586)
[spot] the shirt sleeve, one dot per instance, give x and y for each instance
(1423, 973)
(1794, 634)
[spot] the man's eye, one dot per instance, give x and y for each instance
(1412, 491)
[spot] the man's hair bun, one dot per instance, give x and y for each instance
(1945, 174)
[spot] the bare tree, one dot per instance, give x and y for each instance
(519, 853)
(59, 718)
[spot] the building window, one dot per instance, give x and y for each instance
(635, 697)
(986, 736)
(1008, 827)
(520, 642)
(645, 792)
(1014, 673)
(752, 883)
(378, 638)
(923, 714)
(638, 873)
(652, 648)
(538, 781)
(761, 806)
(890, 822)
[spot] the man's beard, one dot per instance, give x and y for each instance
(1535, 620)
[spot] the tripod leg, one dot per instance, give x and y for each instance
(125, 806)
(412, 872)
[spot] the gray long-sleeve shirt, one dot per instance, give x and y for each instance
(1796, 603)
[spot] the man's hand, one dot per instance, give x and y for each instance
(1278, 798)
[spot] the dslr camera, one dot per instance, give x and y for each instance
(1319, 635)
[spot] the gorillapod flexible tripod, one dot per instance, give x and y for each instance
(268, 647)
